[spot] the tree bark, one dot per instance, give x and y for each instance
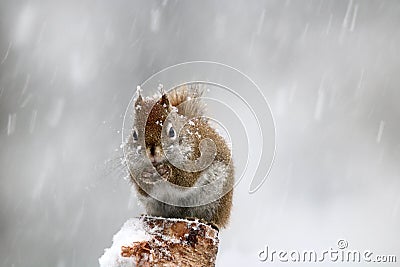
(169, 242)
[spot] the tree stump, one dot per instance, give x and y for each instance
(155, 241)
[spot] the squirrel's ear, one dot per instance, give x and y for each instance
(139, 101)
(164, 100)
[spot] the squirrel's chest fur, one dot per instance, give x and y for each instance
(216, 211)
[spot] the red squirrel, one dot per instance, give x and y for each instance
(167, 143)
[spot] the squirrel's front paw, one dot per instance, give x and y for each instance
(149, 176)
(152, 174)
(164, 171)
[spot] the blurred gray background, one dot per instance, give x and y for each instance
(329, 69)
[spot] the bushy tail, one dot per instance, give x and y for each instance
(187, 98)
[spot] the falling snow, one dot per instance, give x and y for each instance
(155, 20)
(6, 54)
(261, 22)
(353, 21)
(32, 122)
(26, 100)
(56, 112)
(320, 104)
(26, 84)
(380, 131)
(348, 11)
(12, 121)
(328, 27)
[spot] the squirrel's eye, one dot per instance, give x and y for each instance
(135, 135)
(171, 132)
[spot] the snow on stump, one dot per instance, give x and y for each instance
(156, 241)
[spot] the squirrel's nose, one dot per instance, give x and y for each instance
(154, 153)
(152, 150)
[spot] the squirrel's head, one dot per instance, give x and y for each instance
(159, 120)
(150, 116)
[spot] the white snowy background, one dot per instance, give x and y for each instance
(329, 69)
